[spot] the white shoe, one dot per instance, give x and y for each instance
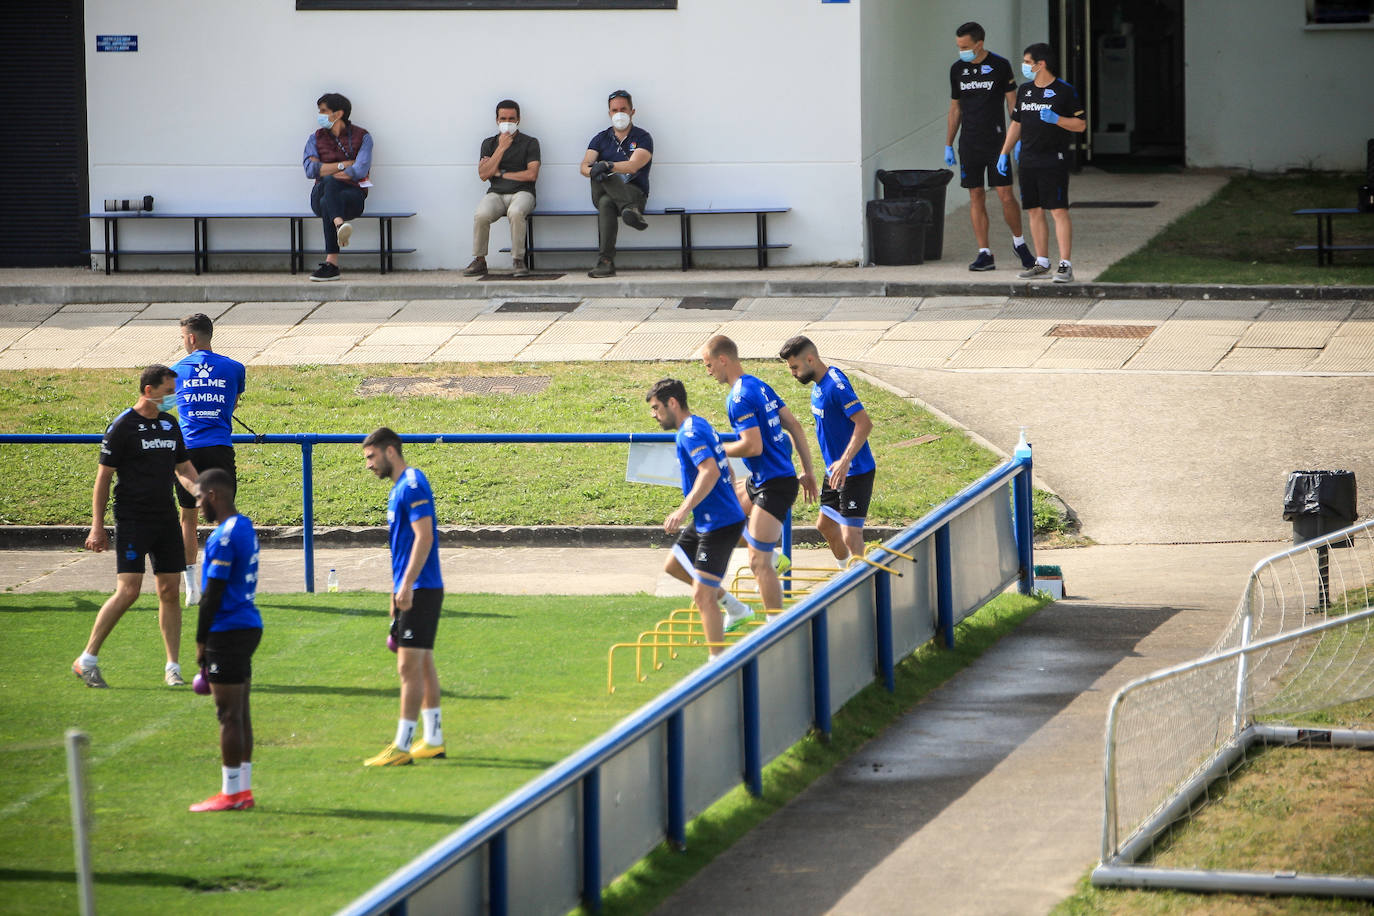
(191, 582)
(345, 233)
(737, 613)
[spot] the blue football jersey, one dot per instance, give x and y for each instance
(208, 389)
(231, 554)
(698, 442)
(833, 402)
(752, 403)
(411, 500)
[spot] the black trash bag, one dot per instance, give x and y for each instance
(1321, 494)
(897, 230)
(920, 184)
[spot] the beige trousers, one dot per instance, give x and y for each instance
(492, 207)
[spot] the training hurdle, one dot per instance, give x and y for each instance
(555, 843)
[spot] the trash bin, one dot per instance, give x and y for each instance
(921, 184)
(1318, 503)
(897, 230)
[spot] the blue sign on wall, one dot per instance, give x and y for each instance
(116, 42)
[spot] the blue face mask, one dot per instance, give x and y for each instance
(1027, 71)
(322, 120)
(167, 404)
(968, 56)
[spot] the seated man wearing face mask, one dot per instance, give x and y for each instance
(510, 161)
(617, 162)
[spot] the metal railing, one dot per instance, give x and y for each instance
(307, 442)
(573, 829)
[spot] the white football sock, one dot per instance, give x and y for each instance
(88, 660)
(231, 779)
(1062, 262)
(246, 776)
(1018, 240)
(172, 666)
(1043, 262)
(985, 251)
(405, 734)
(434, 731)
(733, 605)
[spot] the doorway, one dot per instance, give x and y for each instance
(1126, 59)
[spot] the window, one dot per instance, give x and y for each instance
(1339, 12)
(400, 5)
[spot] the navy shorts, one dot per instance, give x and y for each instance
(157, 538)
(775, 497)
(202, 459)
(706, 555)
(1046, 189)
(850, 501)
(229, 655)
(417, 627)
(977, 167)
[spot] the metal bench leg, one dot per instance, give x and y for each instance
(685, 230)
(1330, 241)
(761, 232)
(529, 242)
(200, 242)
(109, 252)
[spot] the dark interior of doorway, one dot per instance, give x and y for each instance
(1098, 40)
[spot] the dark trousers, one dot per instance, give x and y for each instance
(330, 198)
(611, 197)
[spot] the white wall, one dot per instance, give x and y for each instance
(748, 102)
(907, 50)
(1264, 93)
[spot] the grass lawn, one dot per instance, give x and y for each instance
(1299, 809)
(518, 696)
(1246, 233)
(475, 485)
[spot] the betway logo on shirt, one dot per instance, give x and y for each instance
(975, 84)
(158, 443)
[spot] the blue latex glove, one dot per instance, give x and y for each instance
(1016, 151)
(1003, 164)
(949, 156)
(1048, 116)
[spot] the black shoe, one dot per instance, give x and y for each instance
(605, 267)
(634, 219)
(1024, 253)
(326, 271)
(983, 262)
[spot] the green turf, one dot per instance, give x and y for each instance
(1246, 233)
(524, 685)
(557, 484)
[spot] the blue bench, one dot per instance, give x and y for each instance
(1324, 246)
(200, 237)
(686, 246)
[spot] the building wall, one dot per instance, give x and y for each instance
(748, 103)
(1264, 93)
(907, 50)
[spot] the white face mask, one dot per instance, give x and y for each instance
(507, 127)
(620, 120)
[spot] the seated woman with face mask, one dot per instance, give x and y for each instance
(338, 156)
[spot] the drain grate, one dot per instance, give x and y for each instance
(530, 305)
(1102, 331)
(707, 302)
(453, 386)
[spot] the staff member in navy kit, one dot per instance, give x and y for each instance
(617, 163)
(208, 389)
(1047, 112)
(981, 88)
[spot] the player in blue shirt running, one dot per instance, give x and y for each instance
(227, 634)
(417, 597)
(842, 430)
(767, 430)
(701, 555)
(208, 389)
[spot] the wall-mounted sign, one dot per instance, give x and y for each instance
(116, 42)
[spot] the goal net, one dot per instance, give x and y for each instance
(1301, 642)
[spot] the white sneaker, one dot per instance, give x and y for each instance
(737, 613)
(191, 582)
(345, 233)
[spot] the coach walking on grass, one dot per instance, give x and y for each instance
(143, 446)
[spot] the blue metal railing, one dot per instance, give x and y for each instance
(488, 829)
(308, 441)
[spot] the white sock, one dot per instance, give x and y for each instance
(733, 605)
(246, 776)
(405, 734)
(434, 730)
(1064, 263)
(985, 251)
(842, 564)
(172, 666)
(1018, 240)
(231, 779)
(1043, 262)
(87, 660)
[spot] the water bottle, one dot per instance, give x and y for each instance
(1022, 449)
(332, 583)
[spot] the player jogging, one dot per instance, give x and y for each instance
(701, 555)
(208, 389)
(417, 596)
(763, 423)
(227, 634)
(143, 446)
(842, 429)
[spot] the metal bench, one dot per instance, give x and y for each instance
(1325, 246)
(686, 246)
(200, 237)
